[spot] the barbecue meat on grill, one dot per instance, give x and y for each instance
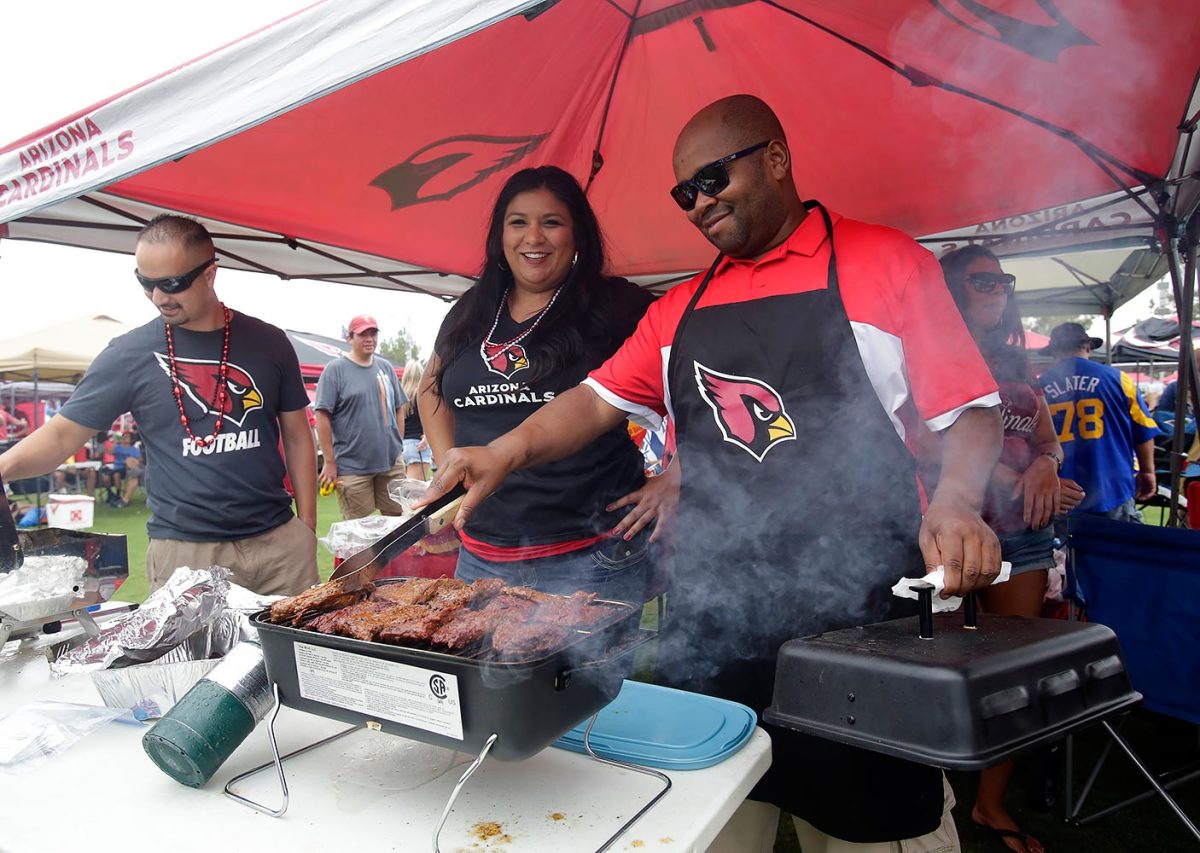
(412, 591)
(372, 625)
(417, 626)
(326, 596)
(576, 609)
(515, 641)
(467, 628)
(332, 623)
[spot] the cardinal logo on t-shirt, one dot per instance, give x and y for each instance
(748, 411)
(198, 379)
(505, 359)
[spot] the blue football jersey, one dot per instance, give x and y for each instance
(1099, 417)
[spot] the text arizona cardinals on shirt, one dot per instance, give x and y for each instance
(502, 394)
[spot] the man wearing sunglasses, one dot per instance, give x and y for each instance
(215, 394)
(791, 369)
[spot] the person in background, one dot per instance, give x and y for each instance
(11, 426)
(82, 479)
(213, 391)
(358, 410)
(1024, 493)
(1103, 426)
(418, 460)
(127, 469)
(787, 371)
(541, 314)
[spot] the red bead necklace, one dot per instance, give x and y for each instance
(219, 396)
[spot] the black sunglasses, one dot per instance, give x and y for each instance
(173, 284)
(710, 179)
(987, 282)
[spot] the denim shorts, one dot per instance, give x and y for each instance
(1028, 550)
(612, 568)
(411, 456)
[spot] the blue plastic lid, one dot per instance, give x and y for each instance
(666, 728)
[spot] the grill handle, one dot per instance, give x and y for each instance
(925, 614)
(640, 638)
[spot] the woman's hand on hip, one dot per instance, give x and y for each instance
(657, 500)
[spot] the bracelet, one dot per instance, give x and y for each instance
(1058, 461)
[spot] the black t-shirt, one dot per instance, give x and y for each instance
(233, 488)
(412, 422)
(563, 500)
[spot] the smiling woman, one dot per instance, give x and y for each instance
(541, 315)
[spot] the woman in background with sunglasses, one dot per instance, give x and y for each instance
(1024, 494)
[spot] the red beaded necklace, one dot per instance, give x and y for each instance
(218, 401)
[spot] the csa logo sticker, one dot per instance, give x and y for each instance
(748, 411)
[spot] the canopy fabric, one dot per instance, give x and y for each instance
(61, 352)
(1156, 339)
(315, 351)
(364, 140)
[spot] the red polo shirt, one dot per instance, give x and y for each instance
(919, 356)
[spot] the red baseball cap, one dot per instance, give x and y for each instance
(361, 323)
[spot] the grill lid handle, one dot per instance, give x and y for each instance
(924, 592)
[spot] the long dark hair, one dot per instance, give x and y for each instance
(578, 326)
(1009, 332)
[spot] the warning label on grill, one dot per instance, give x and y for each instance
(417, 697)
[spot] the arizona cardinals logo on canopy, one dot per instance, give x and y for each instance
(505, 359)
(198, 378)
(447, 167)
(748, 411)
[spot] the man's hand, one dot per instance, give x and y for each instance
(657, 501)
(1147, 486)
(480, 469)
(1071, 495)
(328, 475)
(954, 536)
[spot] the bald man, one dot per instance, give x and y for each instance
(791, 368)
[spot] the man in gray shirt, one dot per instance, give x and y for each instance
(357, 408)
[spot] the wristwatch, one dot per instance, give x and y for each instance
(1058, 460)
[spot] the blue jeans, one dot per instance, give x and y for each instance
(612, 568)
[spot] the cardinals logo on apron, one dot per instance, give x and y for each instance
(505, 359)
(748, 411)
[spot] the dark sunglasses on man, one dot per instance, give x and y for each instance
(173, 284)
(989, 282)
(710, 179)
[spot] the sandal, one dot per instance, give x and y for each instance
(1002, 834)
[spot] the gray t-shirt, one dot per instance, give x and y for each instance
(232, 488)
(362, 402)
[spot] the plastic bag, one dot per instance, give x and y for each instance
(34, 733)
(41, 578)
(407, 492)
(347, 538)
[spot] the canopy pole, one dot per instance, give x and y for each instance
(37, 483)
(1108, 335)
(1183, 281)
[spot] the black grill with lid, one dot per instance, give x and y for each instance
(966, 697)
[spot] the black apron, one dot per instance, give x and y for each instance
(799, 511)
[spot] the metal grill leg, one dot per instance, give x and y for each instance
(646, 771)
(1152, 779)
(277, 763)
(437, 831)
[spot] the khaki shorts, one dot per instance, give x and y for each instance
(282, 561)
(359, 495)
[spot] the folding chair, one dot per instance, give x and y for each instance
(1144, 583)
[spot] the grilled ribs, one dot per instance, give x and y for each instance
(517, 640)
(514, 622)
(327, 596)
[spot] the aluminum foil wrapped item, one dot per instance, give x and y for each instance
(43, 585)
(191, 601)
(347, 538)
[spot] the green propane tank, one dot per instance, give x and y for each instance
(204, 727)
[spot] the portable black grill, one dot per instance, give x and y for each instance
(468, 701)
(951, 691)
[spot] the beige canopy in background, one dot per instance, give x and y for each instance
(61, 352)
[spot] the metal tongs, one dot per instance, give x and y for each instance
(360, 569)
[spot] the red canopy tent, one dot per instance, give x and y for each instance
(362, 141)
